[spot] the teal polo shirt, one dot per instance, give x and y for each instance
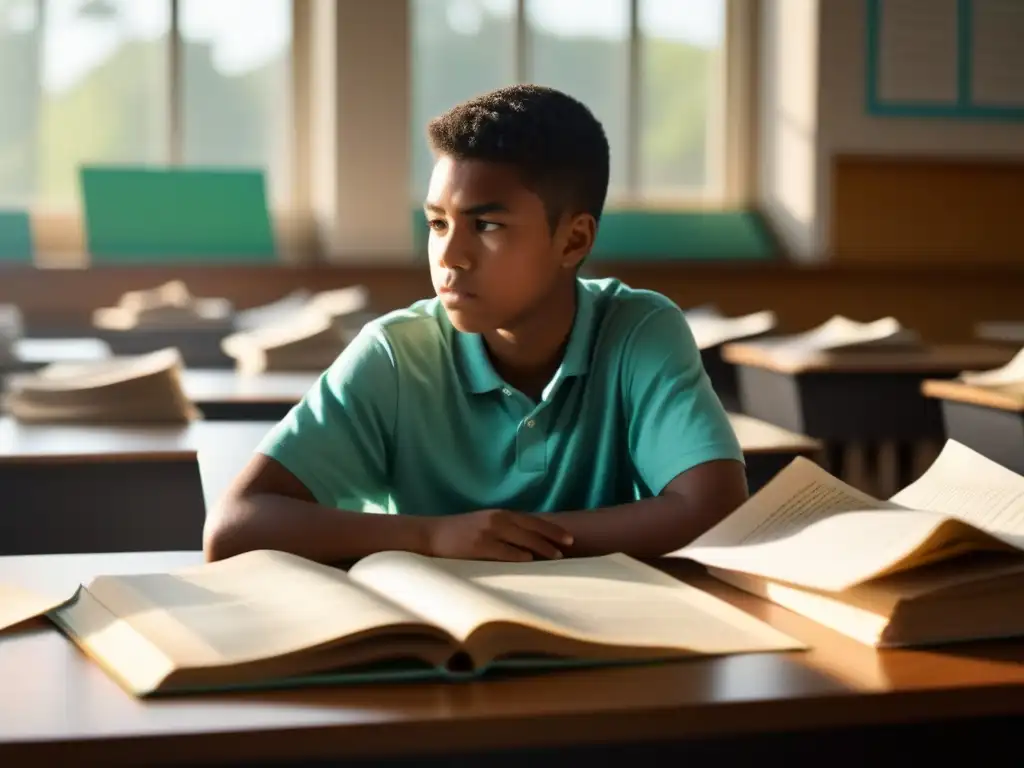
(413, 419)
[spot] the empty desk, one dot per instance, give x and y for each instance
(989, 420)
(858, 398)
(95, 488)
(229, 396)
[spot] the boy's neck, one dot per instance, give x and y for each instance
(528, 356)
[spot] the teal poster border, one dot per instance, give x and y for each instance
(964, 106)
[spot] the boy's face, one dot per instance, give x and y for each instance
(493, 257)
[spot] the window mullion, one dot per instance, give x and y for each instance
(176, 105)
(634, 83)
(522, 43)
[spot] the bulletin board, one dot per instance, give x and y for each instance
(945, 58)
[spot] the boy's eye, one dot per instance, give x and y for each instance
(487, 226)
(437, 225)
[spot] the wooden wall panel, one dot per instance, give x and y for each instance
(942, 303)
(928, 211)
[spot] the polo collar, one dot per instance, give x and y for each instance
(479, 376)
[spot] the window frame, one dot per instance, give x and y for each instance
(734, 181)
(58, 229)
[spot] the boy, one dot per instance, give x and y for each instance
(522, 414)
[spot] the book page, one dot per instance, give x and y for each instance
(965, 485)
(809, 528)
(18, 605)
(254, 606)
(611, 601)
(1011, 374)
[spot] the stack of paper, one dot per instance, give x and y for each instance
(169, 306)
(297, 333)
(119, 390)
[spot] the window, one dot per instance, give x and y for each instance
(130, 81)
(653, 72)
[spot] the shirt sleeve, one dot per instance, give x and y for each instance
(675, 419)
(338, 439)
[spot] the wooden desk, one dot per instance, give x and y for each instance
(840, 699)
(82, 488)
(229, 396)
(222, 448)
(768, 448)
(988, 420)
(865, 398)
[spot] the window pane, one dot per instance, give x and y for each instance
(582, 47)
(236, 86)
(682, 92)
(460, 48)
(104, 90)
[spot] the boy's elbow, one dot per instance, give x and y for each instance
(220, 540)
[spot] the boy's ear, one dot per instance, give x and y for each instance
(579, 240)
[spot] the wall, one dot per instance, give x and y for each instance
(845, 127)
(788, 123)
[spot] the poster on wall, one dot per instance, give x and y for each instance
(945, 58)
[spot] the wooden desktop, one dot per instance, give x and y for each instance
(840, 703)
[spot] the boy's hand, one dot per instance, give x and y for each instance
(496, 534)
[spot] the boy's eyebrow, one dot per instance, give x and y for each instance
(474, 210)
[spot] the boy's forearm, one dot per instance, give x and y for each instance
(643, 529)
(267, 521)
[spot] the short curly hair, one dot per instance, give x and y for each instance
(555, 142)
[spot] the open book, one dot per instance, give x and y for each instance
(942, 560)
(710, 328)
(269, 315)
(11, 328)
(269, 619)
(170, 305)
(146, 388)
(308, 341)
(341, 304)
(1008, 377)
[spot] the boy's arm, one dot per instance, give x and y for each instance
(269, 508)
(682, 447)
(305, 489)
(690, 504)
(330, 453)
